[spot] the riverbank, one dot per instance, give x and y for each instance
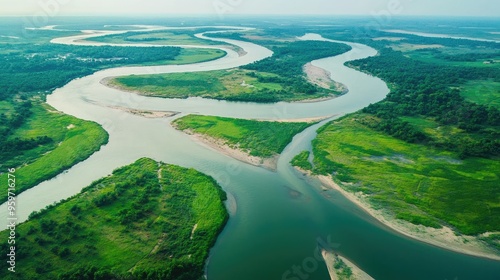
(444, 237)
(255, 142)
(270, 163)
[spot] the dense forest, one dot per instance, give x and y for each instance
(12, 147)
(155, 221)
(29, 68)
(426, 89)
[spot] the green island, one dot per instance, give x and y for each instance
(278, 78)
(39, 141)
(262, 139)
(148, 220)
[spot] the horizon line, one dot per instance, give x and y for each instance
(255, 15)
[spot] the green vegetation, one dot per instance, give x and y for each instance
(279, 78)
(170, 37)
(257, 138)
(45, 145)
(289, 58)
(429, 152)
(35, 140)
(343, 271)
(417, 183)
(190, 56)
(484, 92)
(456, 56)
(302, 161)
(234, 84)
(429, 91)
(39, 68)
(146, 221)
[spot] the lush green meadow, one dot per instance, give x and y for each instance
(257, 138)
(146, 221)
(231, 84)
(70, 140)
(190, 56)
(412, 182)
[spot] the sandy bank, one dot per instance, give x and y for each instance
(444, 237)
(331, 258)
(222, 147)
(108, 81)
(322, 78)
(146, 114)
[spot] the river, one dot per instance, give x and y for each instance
(276, 218)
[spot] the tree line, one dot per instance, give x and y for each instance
(426, 89)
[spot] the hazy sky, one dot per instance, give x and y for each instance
(217, 7)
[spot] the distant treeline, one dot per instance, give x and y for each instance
(44, 67)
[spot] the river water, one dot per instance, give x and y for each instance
(276, 217)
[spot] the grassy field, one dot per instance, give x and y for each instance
(233, 84)
(146, 221)
(73, 141)
(190, 56)
(486, 92)
(412, 182)
(220, 84)
(257, 138)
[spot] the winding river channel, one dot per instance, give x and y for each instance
(276, 217)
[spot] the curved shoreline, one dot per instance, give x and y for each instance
(443, 238)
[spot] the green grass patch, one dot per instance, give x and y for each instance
(485, 92)
(72, 140)
(190, 56)
(432, 128)
(233, 84)
(138, 223)
(302, 161)
(257, 138)
(414, 182)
